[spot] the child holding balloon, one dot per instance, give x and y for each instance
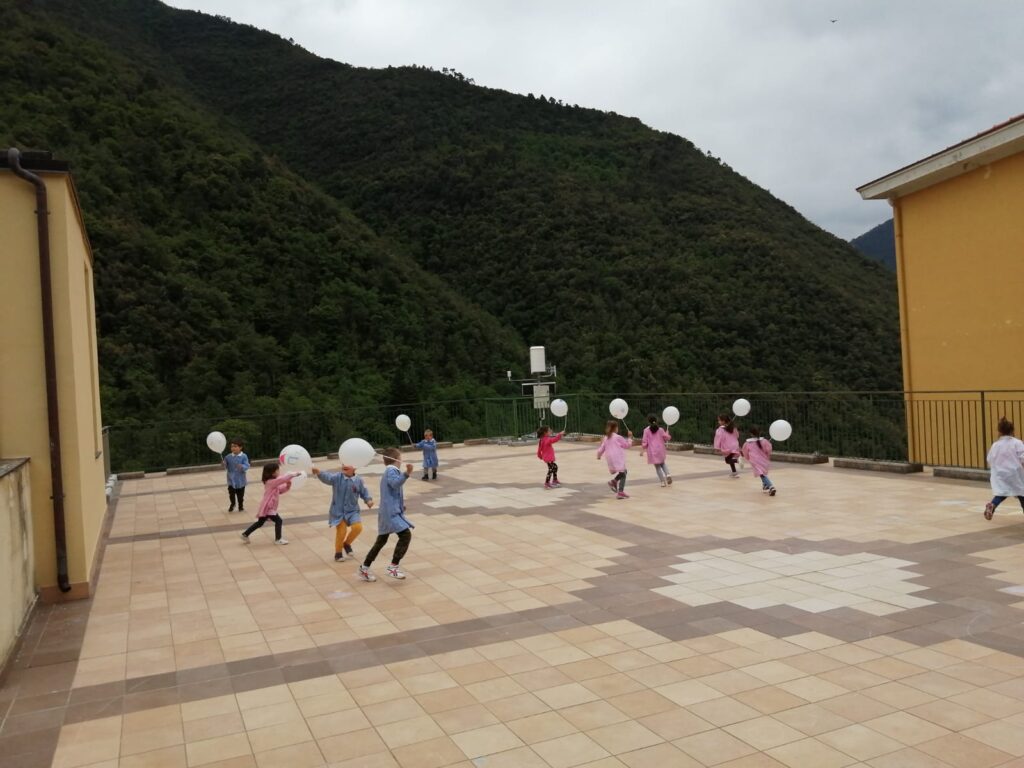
(273, 487)
(429, 447)
(343, 516)
(758, 452)
(546, 453)
(613, 449)
(237, 464)
(390, 517)
(727, 442)
(654, 441)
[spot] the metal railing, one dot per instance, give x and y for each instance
(935, 428)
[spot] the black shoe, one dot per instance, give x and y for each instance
(241, 508)
(338, 557)
(348, 550)
(231, 508)
(425, 477)
(435, 474)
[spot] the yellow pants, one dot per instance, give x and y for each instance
(344, 534)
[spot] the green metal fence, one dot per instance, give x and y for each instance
(948, 428)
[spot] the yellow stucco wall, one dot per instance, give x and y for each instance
(23, 418)
(960, 261)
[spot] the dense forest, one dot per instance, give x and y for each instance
(878, 243)
(275, 231)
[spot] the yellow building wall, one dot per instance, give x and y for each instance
(960, 262)
(23, 418)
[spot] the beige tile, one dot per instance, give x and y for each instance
(764, 732)
(154, 738)
(964, 752)
(542, 727)
(713, 747)
(949, 715)
(393, 711)
(352, 745)
(569, 751)
(522, 757)
(486, 740)
(1004, 735)
(429, 754)
(411, 731)
(723, 711)
(906, 728)
(860, 742)
(812, 719)
(197, 710)
(168, 757)
(515, 707)
(305, 755)
(624, 737)
(689, 692)
(810, 752)
(567, 695)
(219, 748)
(659, 756)
(594, 714)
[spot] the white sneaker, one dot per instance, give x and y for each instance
(364, 573)
(281, 541)
(395, 572)
(663, 483)
(245, 538)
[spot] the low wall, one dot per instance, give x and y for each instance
(17, 559)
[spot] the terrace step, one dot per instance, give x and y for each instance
(872, 465)
(962, 473)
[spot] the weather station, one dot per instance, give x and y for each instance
(541, 384)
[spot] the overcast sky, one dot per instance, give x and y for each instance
(803, 106)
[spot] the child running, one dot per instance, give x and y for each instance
(237, 464)
(727, 442)
(273, 487)
(758, 451)
(546, 453)
(613, 448)
(1006, 465)
(654, 446)
(390, 517)
(343, 517)
(429, 447)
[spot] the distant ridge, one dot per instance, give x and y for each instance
(878, 243)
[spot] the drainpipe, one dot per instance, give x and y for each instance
(50, 358)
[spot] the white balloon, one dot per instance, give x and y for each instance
(780, 430)
(618, 408)
(403, 423)
(741, 407)
(356, 452)
(298, 482)
(559, 408)
(216, 442)
(670, 415)
(295, 458)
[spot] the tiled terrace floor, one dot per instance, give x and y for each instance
(853, 619)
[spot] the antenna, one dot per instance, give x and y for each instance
(541, 384)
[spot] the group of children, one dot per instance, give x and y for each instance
(756, 450)
(347, 490)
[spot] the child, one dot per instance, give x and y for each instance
(344, 513)
(546, 453)
(390, 517)
(727, 442)
(613, 448)
(758, 452)
(429, 447)
(273, 487)
(654, 445)
(237, 464)
(1006, 462)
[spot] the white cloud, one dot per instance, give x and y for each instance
(804, 107)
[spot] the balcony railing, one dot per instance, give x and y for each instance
(935, 428)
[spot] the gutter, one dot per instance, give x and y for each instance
(50, 358)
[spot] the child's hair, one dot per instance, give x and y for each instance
(392, 456)
(428, 432)
(727, 422)
(653, 420)
(237, 441)
(1005, 426)
(611, 427)
(755, 431)
(543, 430)
(269, 470)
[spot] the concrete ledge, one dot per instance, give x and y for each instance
(131, 475)
(476, 441)
(800, 458)
(871, 465)
(962, 473)
(706, 450)
(679, 446)
(193, 470)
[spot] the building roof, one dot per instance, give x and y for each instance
(999, 141)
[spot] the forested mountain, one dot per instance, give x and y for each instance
(878, 243)
(274, 230)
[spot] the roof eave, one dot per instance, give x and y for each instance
(959, 159)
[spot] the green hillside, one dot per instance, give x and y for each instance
(270, 224)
